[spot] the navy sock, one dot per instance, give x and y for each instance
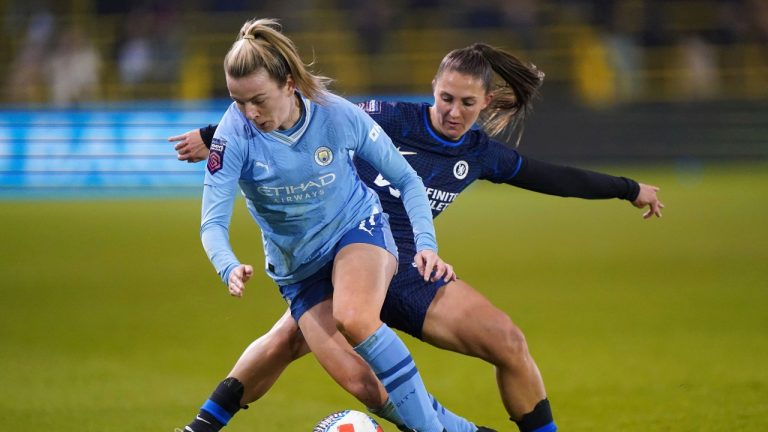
(216, 412)
(538, 420)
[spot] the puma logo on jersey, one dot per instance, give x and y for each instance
(375, 132)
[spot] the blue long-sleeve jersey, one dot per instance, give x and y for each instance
(302, 189)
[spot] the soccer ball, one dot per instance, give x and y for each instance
(347, 421)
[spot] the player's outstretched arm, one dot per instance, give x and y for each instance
(190, 146)
(647, 197)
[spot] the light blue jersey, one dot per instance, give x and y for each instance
(302, 188)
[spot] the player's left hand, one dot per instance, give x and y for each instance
(647, 197)
(190, 147)
(431, 267)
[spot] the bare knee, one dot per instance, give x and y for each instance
(297, 345)
(284, 340)
(354, 325)
(286, 345)
(508, 347)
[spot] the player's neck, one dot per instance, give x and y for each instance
(294, 115)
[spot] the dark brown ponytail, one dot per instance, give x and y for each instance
(512, 96)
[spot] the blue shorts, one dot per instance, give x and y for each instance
(303, 295)
(408, 299)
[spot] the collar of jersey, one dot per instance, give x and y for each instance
(438, 138)
(296, 135)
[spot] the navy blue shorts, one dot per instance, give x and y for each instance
(408, 299)
(303, 295)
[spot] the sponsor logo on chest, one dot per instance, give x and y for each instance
(300, 192)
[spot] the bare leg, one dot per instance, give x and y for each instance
(360, 288)
(338, 358)
(451, 323)
(361, 276)
(267, 357)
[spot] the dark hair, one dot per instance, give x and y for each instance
(512, 98)
(261, 44)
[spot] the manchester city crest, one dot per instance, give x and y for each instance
(323, 156)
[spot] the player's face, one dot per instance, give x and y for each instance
(459, 98)
(263, 102)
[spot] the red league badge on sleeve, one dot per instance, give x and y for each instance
(216, 155)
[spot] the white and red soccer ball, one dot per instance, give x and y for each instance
(347, 421)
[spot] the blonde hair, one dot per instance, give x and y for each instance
(512, 98)
(262, 45)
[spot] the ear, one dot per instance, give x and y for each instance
(488, 99)
(290, 84)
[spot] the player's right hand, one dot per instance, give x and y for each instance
(190, 147)
(647, 197)
(237, 279)
(431, 267)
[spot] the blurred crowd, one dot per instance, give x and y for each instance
(66, 54)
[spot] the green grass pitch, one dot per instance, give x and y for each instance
(112, 319)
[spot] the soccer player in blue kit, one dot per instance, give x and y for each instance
(439, 142)
(287, 143)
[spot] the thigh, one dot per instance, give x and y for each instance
(366, 258)
(461, 319)
(408, 299)
(361, 274)
(282, 344)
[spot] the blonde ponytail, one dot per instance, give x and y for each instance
(262, 45)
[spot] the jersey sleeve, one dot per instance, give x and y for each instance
(206, 134)
(565, 181)
(375, 146)
(506, 165)
(220, 186)
(500, 163)
(373, 108)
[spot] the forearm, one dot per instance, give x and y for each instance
(567, 181)
(215, 239)
(416, 205)
(214, 230)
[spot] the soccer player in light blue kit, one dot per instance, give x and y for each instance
(449, 154)
(288, 143)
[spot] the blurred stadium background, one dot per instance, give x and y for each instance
(89, 82)
(111, 317)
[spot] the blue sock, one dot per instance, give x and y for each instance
(451, 421)
(390, 360)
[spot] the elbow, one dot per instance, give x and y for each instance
(409, 178)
